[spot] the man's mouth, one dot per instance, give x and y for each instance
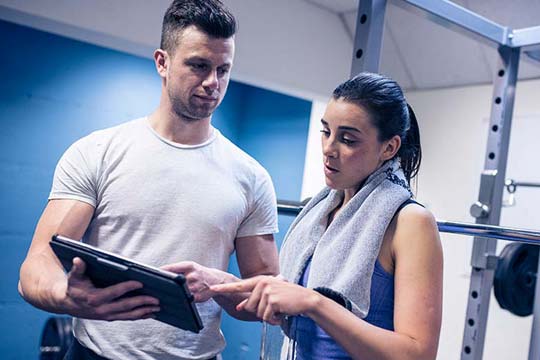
(206, 98)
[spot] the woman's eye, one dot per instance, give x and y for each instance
(325, 132)
(347, 141)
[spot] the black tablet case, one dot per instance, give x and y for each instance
(104, 269)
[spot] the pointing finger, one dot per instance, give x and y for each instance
(235, 287)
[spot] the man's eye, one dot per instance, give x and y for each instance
(198, 66)
(223, 71)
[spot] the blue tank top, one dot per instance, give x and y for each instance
(313, 343)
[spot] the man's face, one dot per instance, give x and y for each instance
(197, 73)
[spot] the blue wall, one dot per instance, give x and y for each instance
(55, 90)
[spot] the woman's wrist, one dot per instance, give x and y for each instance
(313, 303)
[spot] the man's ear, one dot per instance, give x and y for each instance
(391, 147)
(161, 60)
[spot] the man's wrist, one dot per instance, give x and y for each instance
(57, 297)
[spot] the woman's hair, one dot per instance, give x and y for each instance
(384, 101)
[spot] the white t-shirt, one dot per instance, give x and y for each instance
(160, 202)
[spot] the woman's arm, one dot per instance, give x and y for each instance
(418, 298)
(417, 303)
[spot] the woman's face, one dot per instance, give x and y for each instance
(351, 148)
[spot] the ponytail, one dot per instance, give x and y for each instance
(410, 152)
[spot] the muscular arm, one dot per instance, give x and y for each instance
(42, 280)
(43, 283)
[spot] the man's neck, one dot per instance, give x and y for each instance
(179, 130)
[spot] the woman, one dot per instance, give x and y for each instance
(362, 261)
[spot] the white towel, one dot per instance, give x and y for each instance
(343, 255)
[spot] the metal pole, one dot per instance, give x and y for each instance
(515, 184)
(487, 209)
(480, 230)
(534, 345)
(368, 38)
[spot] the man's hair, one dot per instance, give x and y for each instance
(210, 16)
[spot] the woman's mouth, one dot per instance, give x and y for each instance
(330, 170)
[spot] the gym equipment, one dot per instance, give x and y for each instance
(511, 186)
(286, 207)
(515, 278)
(510, 43)
(56, 338)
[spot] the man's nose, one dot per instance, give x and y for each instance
(211, 82)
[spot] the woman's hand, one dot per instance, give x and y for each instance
(271, 298)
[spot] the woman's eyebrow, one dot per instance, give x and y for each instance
(349, 128)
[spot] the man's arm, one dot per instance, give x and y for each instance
(41, 276)
(256, 255)
(44, 284)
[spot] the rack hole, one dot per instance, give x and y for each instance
(501, 73)
(474, 294)
(497, 100)
(363, 19)
(359, 53)
(470, 322)
(467, 349)
(495, 128)
(491, 156)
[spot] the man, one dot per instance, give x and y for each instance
(164, 189)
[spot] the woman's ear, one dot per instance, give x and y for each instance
(391, 147)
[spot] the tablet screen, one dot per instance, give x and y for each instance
(105, 268)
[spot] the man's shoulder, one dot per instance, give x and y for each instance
(239, 157)
(106, 135)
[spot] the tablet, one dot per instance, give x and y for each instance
(104, 269)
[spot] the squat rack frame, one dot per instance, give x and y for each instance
(487, 210)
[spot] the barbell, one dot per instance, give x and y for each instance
(515, 275)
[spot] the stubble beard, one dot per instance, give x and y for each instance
(190, 112)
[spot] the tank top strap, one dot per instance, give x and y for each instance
(408, 202)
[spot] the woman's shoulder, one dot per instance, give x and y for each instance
(415, 213)
(415, 224)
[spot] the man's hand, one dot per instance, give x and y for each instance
(80, 298)
(199, 278)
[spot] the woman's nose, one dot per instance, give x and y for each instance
(329, 148)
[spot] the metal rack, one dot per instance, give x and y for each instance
(510, 43)
(511, 187)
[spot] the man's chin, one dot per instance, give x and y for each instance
(195, 115)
